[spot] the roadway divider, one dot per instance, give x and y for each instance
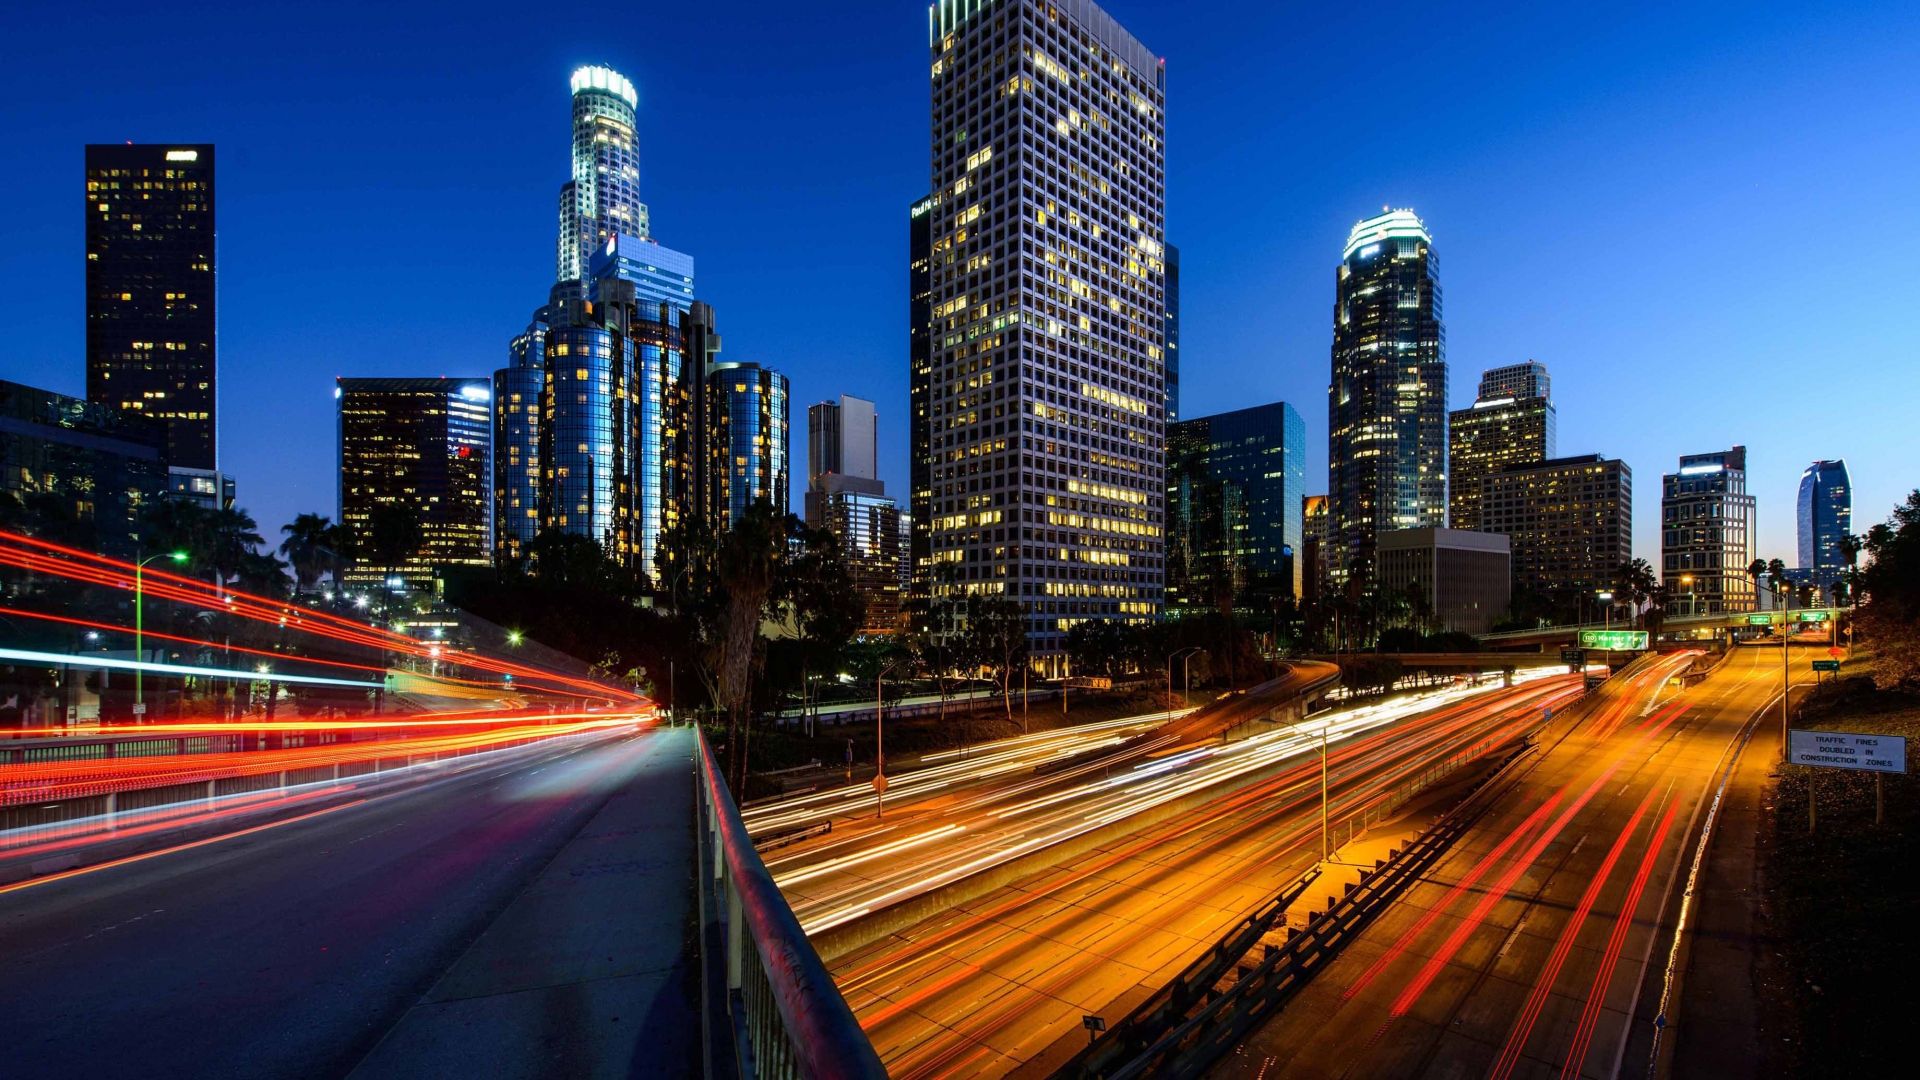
(759, 972)
(1186, 1027)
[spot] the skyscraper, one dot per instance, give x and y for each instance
(1387, 403)
(1313, 547)
(1569, 522)
(846, 497)
(746, 440)
(516, 439)
(1047, 390)
(1234, 487)
(602, 199)
(1173, 334)
(1510, 423)
(1707, 534)
(919, 560)
(1825, 515)
(151, 327)
(420, 444)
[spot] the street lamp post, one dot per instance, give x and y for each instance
(139, 623)
(1185, 656)
(880, 740)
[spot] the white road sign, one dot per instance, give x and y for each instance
(1847, 750)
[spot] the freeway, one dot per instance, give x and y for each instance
(999, 982)
(1538, 945)
(289, 948)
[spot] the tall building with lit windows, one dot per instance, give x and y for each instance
(846, 497)
(421, 444)
(1047, 387)
(919, 555)
(1173, 334)
(1510, 423)
(1824, 517)
(516, 441)
(150, 282)
(602, 199)
(745, 435)
(1235, 483)
(1387, 401)
(1707, 531)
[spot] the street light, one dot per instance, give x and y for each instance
(515, 637)
(880, 739)
(1185, 656)
(139, 623)
(1687, 580)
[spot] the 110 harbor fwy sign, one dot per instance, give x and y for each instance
(1847, 750)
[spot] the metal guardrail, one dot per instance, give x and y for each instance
(788, 1018)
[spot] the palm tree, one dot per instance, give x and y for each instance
(305, 547)
(1634, 584)
(342, 548)
(235, 535)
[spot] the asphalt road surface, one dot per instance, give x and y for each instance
(1538, 945)
(289, 950)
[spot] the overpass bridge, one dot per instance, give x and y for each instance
(1680, 628)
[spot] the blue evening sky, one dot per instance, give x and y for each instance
(1700, 216)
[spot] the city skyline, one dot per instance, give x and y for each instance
(1237, 345)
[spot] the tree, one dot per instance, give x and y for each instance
(1633, 585)
(342, 547)
(1887, 596)
(748, 562)
(818, 598)
(996, 631)
(393, 536)
(305, 547)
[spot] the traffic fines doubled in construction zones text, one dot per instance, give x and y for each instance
(1847, 750)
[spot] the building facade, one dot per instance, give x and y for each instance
(846, 497)
(516, 439)
(209, 489)
(1235, 485)
(1510, 423)
(1047, 384)
(1387, 401)
(602, 200)
(78, 467)
(1313, 546)
(1824, 514)
(421, 444)
(1462, 580)
(746, 440)
(919, 557)
(152, 341)
(1568, 521)
(1173, 334)
(1707, 534)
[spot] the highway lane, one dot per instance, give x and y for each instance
(1526, 950)
(289, 950)
(1000, 983)
(849, 876)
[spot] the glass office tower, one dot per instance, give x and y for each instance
(1047, 399)
(1173, 334)
(422, 444)
(602, 199)
(746, 440)
(516, 441)
(1825, 515)
(1387, 402)
(1235, 490)
(151, 290)
(919, 557)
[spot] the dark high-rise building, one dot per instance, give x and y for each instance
(919, 560)
(1387, 402)
(846, 497)
(1454, 581)
(82, 469)
(151, 328)
(1173, 334)
(1234, 491)
(746, 440)
(1313, 547)
(421, 444)
(1569, 522)
(1047, 399)
(1707, 534)
(1510, 423)
(1825, 516)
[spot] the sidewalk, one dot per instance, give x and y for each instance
(593, 970)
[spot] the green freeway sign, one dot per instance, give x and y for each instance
(1814, 616)
(1826, 665)
(1623, 640)
(1759, 620)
